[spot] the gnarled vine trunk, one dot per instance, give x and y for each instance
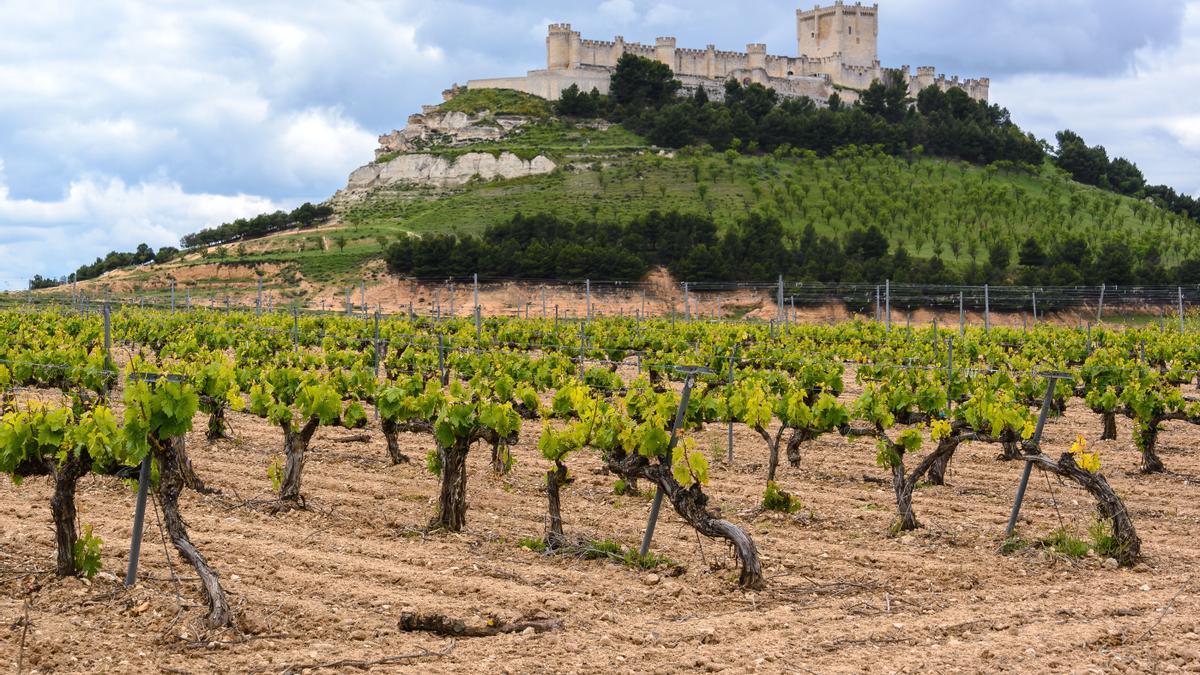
(939, 462)
(773, 450)
(187, 473)
(216, 425)
(903, 487)
(798, 437)
(295, 447)
(1109, 420)
(1147, 439)
(391, 432)
(1110, 506)
(555, 479)
(452, 499)
(170, 484)
(690, 504)
(1010, 446)
(62, 507)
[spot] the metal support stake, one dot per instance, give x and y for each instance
(108, 363)
(139, 519)
(658, 494)
(779, 300)
(887, 304)
(687, 302)
(258, 302)
(445, 375)
(1180, 289)
(172, 297)
(376, 343)
(732, 359)
(1034, 295)
(588, 284)
(582, 348)
(987, 309)
(1100, 308)
(949, 374)
(962, 317)
(1034, 442)
(478, 325)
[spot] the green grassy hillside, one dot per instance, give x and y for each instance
(934, 207)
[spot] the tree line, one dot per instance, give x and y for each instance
(304, 216)
(644, 96)
(544, 246)
(1090, 165)
(751, 118)
(118, 259)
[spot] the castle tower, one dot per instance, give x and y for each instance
(664, 51)
(848, 31)
(757, 53)
(562, 47)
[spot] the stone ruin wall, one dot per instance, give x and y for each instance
(838, 47)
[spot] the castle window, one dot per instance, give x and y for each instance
(850, 30)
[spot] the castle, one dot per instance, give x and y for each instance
(837, 46)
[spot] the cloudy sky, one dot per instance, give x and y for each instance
(123, 121)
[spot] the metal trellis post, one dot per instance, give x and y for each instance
(1034, 442)
(658, 494)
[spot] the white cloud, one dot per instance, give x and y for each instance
(666, 14)
(1142, 114)
(621, 11)
(313, 141)
(125, 121)
(98, 214)
(1186, 129)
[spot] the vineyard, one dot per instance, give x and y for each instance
(335, 491)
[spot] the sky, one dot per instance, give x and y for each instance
(124, 122)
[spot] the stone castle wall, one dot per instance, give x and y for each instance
(838, 48)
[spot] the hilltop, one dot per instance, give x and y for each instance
(484, 156)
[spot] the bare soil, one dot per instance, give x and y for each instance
(329, 583)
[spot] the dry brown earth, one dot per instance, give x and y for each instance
(329, 583)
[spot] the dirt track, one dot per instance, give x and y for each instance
(842, 595)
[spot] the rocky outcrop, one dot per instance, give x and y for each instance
(438, 171)
(434, 128)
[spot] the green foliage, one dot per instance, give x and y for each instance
(775, 499)
(689, 466)
(603, 549)
(1013, 544)
(275, 472)
(1064, 542)
(639, 83)
(606, 549)
(498, 102)
(87, 552)
(433, 462)
(620, 487)
(162, 409)
(1103, 542)
(534, 544)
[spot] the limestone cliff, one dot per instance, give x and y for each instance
(437, 171)
(415, 156)
(435, 128)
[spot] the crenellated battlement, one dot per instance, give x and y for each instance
(837, 49)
